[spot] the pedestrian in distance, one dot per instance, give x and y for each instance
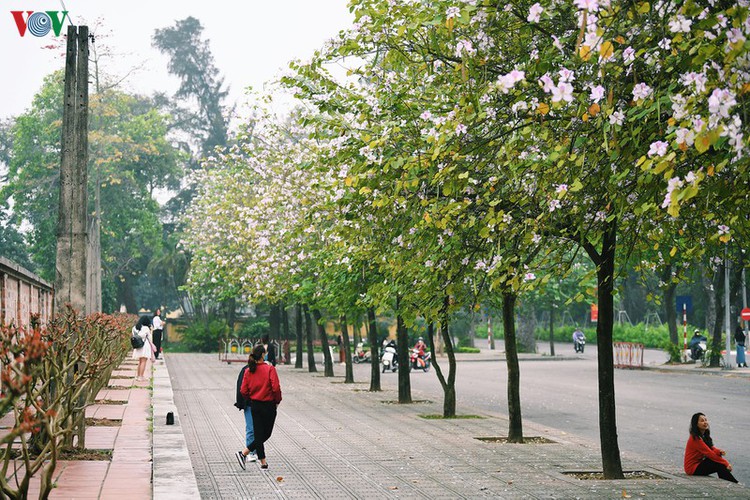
(270, 348)
(739, 341)
(243, 404)
(145, 352)
(261, 386)
(701, 456)
(158, 328)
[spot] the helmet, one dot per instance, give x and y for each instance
(696, 331)
(420, 338)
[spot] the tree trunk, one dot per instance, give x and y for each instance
(605, 273)
(372, 335)
(670, 307)
(298, 328)
(402, 340)
(309, 333)
(449, 384)
(515, 423)
(356, 330)
(707, 280)
(490, 336)
(327, 361)
(274, 321)
(718, 293)
(349, 377)
(552, 330)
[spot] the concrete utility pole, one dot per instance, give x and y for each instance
(72, 226)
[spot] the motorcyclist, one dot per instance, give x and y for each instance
(421, 347)
(578, 337)
(696, 351)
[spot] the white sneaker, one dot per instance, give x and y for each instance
(252, 457)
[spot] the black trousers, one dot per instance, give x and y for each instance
(157, 341)
(264, 416)
(708, 466)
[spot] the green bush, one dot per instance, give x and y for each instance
(472, 350)
(204, 337)
(654, 337)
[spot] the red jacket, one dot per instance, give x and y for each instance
(263, 385)
(696, 450)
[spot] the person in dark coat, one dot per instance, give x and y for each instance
(739, 341)
(243, 404)
(270, 348)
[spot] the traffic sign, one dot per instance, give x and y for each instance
(745, 314)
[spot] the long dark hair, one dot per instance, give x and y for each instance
(696, 432)
(142, 321)
(256, 357)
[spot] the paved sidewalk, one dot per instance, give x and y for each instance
(336, 440)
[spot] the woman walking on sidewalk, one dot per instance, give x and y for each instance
(144, 353)
(701, 456)
(261, 387)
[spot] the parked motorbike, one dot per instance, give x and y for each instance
(360, 355)
(579, 345)
(419, 361)
(389, 359)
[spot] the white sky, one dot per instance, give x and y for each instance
(251, 41)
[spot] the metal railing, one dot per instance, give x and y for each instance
(628, 355)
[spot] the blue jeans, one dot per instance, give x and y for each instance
(741, 355)
(249, 433)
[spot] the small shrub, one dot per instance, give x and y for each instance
(204, 337)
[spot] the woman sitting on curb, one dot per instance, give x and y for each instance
(701, 456)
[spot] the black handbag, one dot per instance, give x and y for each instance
(136, 341)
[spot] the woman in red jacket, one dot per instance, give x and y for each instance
(261, 387)
(701, 456)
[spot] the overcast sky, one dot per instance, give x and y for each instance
(251, 40)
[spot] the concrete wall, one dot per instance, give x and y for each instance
(23, 293)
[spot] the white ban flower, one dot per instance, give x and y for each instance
(684, 136)
(617, 118)
(529, 276)
(461, 129)
(589, 5)
(665, 44)
(547, 84)
(452, 12)
(566, 75)
(465, 47)
(563, 92)
(641, 91)
(426, 115)
(628, 56)
(561, 188)
(680, 24)
(535, 13)
(597, 93)
(690, 177)
(554, 205)
(720, 102)
(506, 82)
(658, 148)
(723, 229)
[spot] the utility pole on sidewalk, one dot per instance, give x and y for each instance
(72, 226)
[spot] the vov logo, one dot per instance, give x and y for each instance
(39, 23)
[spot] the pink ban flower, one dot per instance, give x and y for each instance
(658, 148)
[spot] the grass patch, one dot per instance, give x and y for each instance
(103, 422)
(414, 401)
(74, 454)
(455, 417)
(526, 440)
(599, 476)
(110, 402)
(470, 350)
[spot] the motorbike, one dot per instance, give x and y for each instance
(419, 361)
(698, 351)
(579, 345)
(360, 355)
(389, 359)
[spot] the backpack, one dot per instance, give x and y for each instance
(135, 340)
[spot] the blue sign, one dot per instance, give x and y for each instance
(686, 300)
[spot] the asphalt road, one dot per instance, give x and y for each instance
(653, 408)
